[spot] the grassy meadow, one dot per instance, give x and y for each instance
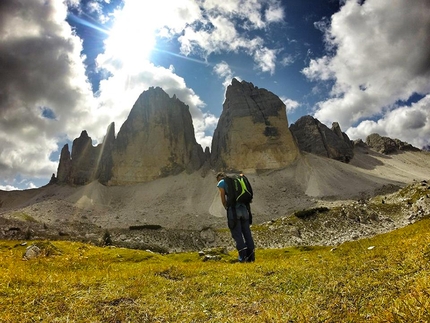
(382, 279)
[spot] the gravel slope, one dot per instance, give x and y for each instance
(190, 202)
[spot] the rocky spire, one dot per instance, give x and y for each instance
(105, 159)
(156, 140)
(314, 137)
(84, 160)
(64, 166)
(252, 132)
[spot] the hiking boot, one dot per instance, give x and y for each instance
(250, 257)
(242, 255)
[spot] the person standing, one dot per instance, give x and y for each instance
(238, 219)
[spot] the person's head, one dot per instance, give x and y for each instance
(220, 176)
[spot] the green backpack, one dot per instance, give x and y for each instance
(239, 190)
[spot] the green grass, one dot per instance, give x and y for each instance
(382, 279)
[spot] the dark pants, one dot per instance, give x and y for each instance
(241, 233)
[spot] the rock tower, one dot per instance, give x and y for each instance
(252, 133)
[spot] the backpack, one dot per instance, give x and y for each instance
(239, 190)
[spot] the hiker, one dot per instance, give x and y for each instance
(238, 219)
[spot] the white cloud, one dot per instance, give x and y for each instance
(265, 59)
(247, 10)
(275, 13)
(291, 105)
(407, 123)
(41, 69)
(223, 71)
(381, 55)
(287, 60)
(220, 31)
(8, 188)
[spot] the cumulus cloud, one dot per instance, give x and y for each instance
(223, 71)
(41, 70)
(265, 59)
(222, 30)
(408, 123)
(290, 105)
(381, 51)
(274, 13)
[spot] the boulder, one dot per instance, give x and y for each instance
(314, 137)
(252, 133)
(32, 252)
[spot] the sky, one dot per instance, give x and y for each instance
(68, 66)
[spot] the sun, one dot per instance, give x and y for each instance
(133, 35)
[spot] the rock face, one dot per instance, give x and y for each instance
(105, 164)
(387, 145)
(86, 163)
(314, 137)
(156, 140)
(252, 132)
(65, 166)
(78, 168)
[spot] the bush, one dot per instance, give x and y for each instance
(311, 212)
(106, 240)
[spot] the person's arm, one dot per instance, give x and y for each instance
(222, 195)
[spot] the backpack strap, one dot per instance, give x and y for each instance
(231, 198)
(248, 207)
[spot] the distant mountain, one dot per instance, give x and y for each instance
(387, 145)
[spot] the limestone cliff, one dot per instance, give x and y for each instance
(156, 140)
(64, 166)
(105, 159)
(252, 132)
(86, 162)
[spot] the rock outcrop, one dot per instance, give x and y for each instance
(387, 145)
(252, 133)
(156, 140)
(314, 137)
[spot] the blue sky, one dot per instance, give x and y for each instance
(68, 66)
